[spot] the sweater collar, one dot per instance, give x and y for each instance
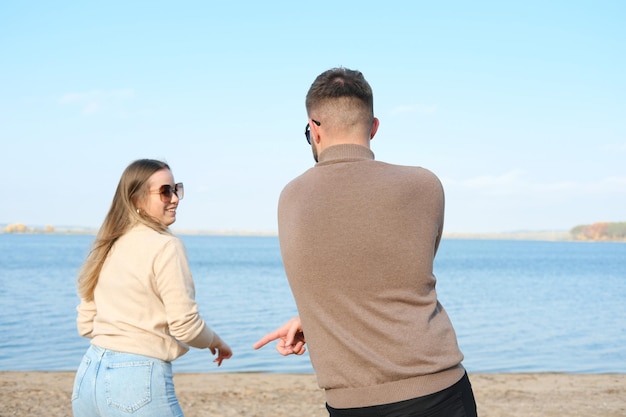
(344, 153)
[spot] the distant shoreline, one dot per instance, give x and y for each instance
(546, 235)
(552, 235)
(87, 231)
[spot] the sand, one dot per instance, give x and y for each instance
(260, 394)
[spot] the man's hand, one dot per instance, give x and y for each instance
(291, 338)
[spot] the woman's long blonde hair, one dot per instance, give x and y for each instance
(123, 214)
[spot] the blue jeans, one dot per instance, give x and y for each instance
(115, 384)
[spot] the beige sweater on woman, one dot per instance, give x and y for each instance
(144, 301)
(358, 239)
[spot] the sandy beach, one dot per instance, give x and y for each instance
(260, 394)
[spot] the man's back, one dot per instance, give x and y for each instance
(358, 239)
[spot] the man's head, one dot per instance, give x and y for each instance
(341, 105)
(341, 94)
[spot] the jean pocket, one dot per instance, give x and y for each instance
(128, 385)
(80, 375)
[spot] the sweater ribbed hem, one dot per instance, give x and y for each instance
(395, 391)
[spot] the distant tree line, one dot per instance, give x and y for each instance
(22, 228)
(600, 231)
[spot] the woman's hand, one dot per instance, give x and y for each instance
(220, 348)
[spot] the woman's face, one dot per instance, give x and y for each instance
(158, 205)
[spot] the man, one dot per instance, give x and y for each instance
(358, 239)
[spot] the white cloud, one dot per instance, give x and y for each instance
(508, 178)
(93, 101)
(516, 183)
(418, 109)
(514, 200)
(503, 184)
(614, 147)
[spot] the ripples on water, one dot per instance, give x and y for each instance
(517, 306)
(523, 306)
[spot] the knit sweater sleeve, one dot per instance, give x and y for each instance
(84, 320)
(175, 286)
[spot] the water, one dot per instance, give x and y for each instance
(517, 306)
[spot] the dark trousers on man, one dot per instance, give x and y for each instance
(455, 401)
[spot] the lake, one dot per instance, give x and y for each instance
(517, 306)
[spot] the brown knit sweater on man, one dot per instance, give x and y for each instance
(358, 239)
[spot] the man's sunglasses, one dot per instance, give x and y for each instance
(167, 190)
(307, 131)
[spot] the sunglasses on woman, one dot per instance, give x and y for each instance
(167, 190)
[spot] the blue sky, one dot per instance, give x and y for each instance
(518, 107)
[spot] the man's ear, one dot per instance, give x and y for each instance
(375, 125)
(314, 130)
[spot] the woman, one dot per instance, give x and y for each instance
(137, 302)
